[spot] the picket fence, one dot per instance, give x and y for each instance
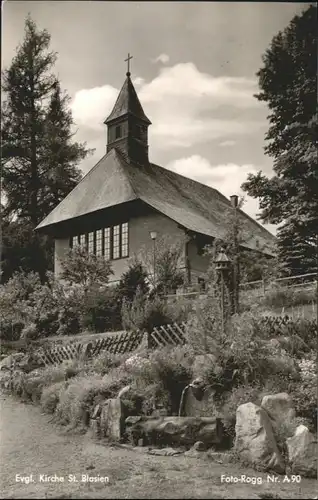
(171, 334)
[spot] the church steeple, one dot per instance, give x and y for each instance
(127, 124)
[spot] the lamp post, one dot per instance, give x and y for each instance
(222, 265)
(153, 236)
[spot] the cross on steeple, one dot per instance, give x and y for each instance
(128, 64)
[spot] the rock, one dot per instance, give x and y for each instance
(124, 391)
(9, 362)
(177, 430)
(279, 407)
(199, 446)
(166, 452)
(97, 412)
(112, 419)
(221, 457)
(95, 428)
(198, 403)
(132, 420)
(302, 452)
(254, 439)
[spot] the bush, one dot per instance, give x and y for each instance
(51, 396)
(101, 311)
(160, 378)
(83, 393)
(279, 297)
(144, 313)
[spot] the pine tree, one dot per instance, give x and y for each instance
(39, 157)
(288, 85)
(61, 155)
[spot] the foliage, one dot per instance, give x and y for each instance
(132, 280)
(85, 269)
(101, 311)
(39, 156)
(288, 85)
(164, 265)
(50, 396)
(279, 296)
(83, 393)
(305, 393)
(144, 313)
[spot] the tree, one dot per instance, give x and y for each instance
(288, 85)
(39, 157)
(132, 280)
(85, 269)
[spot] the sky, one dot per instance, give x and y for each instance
(194, 68)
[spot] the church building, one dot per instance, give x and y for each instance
(125, 201)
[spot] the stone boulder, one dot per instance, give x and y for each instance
(279, 407)
(302, 452)
(11, 361)
(254, 439)
(125, 390)
(112, 419)
(176, 430)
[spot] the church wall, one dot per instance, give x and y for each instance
(140, 241)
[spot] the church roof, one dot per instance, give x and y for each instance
(127, 103)
(193, 205)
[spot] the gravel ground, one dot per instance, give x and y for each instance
(31, 445)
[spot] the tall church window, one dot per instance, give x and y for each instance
(107, 243)
(124, 240)
(99, 242)
(116, 242)
(74, 241)
(91, 242)
(83, 240)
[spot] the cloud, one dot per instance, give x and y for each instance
(163, 58)
(90, 107)
(138, 80)
(227, 144)
(225, 178)
(185, 106)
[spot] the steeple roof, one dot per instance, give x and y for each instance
(127, 103)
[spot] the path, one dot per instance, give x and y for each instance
(30, 444)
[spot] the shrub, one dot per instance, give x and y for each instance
(304, 393)
(105, 361)
(162, 376)
(144, 313)
(83, 393)
(51, 396)
(30, 332)
(279, 297)
(101, 311)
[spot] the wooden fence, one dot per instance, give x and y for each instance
(114, 343)
(120, 343)
(173, 334)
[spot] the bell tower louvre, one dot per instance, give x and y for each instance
(127, 124)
